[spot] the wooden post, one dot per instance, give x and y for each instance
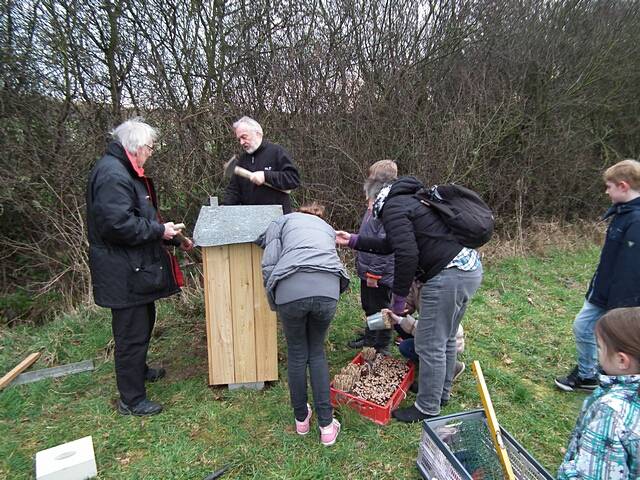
(266, 324)
(244, 334)
(242, 339)
(492, 421)
(242, 342)
(18, 369)
(217, 291)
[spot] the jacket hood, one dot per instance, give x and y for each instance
(402, 186)
(115, 149)
(405, 186)
(620, 208)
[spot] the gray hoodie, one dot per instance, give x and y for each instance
(299, 242)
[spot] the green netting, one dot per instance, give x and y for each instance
(467, 438)
(470, 442)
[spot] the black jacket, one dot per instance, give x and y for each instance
(414, 234)
(279, 171)
(129, 263)
(616, 282)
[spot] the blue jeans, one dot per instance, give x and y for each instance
(305, 323)
(408, 350)
(443, 301)
(584, 331)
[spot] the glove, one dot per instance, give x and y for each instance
(353, 240)
(398, 304)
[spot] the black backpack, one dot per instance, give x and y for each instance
(470, 219)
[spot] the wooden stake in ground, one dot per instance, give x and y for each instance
(18, 369)
(492, 420)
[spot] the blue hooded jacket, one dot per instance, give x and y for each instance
(616, 282)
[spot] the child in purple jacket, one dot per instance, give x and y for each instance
(375, 271)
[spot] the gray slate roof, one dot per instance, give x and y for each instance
(233, 224)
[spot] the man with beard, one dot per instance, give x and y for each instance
(269, 163)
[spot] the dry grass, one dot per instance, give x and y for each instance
(543, 237)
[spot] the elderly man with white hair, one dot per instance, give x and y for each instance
(269, 163)
(130, 265)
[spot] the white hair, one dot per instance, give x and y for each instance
(134, 134)
(249, 123)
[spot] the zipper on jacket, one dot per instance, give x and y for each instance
(162, 245)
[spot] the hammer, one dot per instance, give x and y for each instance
(180, 236)
(232, 168)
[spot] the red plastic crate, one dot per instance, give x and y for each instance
(379, 414)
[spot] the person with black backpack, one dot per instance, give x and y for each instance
(427, 245)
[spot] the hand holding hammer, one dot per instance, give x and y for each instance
(186, 243)
(232, 168)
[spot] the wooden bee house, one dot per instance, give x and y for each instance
(241, 328)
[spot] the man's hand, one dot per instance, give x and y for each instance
(257, 177)
(342, 238)
(187, 244)
(170, 231)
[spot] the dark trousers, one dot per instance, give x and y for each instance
(305, 323)
(373, 300)
(131, 333)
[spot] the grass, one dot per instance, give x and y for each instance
(518, 326)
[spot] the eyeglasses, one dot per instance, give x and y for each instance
(150, 147)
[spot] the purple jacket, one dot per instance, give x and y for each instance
(372, 263)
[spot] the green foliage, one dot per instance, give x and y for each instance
(23, 306)
(518, 326)
(509, 98)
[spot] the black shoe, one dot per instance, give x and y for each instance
(383, 351)
(356, 343)
(415, 387)
(410, 415)
(154, 374)
(574, 381)
(143, 409)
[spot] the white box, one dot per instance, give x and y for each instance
(69, 461)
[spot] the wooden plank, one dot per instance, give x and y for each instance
(244, 340)
(18, 369)
(217, 294)
(54, 372)
(266, 324)
(492, 421)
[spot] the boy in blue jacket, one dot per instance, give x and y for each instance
(616, 282)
